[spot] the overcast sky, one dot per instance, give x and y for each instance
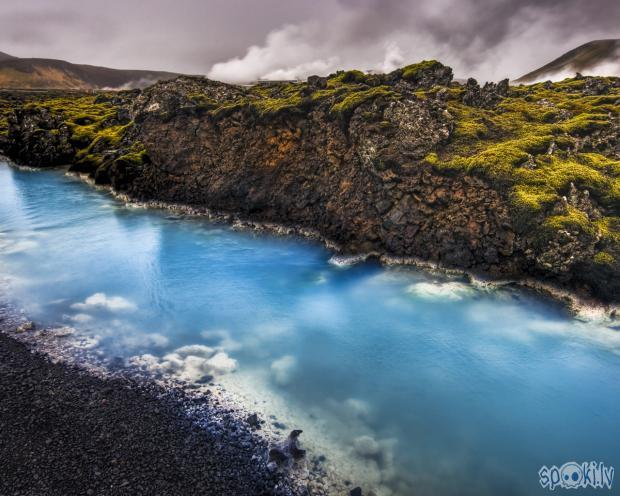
(240, 40)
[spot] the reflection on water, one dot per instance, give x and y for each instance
(407, 382)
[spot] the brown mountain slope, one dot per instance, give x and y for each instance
(584, 58)
(35, 73)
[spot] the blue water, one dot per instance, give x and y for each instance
(412, 382)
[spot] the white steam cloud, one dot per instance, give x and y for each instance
(487, 40)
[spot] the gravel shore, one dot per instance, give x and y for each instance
(66, 432)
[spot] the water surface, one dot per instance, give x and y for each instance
(408, 382)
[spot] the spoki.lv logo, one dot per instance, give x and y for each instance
(573, 475)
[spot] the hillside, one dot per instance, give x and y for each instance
(36, 73)
(6, 56)
(508, 181)
(596, 58)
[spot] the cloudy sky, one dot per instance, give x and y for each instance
(241, 40)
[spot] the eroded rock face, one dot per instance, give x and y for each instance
(362, 187)
(44, 138)
(361, 178)
(408, 130)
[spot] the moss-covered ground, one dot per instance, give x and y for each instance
(528, 144)
(92, 122)
(343, 93)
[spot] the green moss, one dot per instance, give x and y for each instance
(412, 72)
(201, 101)
(584, 124)
(431, 158)
(509, 145)
(89, 159)
(533, 198)
(353, 76)
(471, 129)
(572, 219)
(354, 99)
(604, 258)
(609, 229)
(228, 108)
(136, 157)
(110, 136)
(272, 106)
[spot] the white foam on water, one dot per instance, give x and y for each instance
(188, 363)
(603, 332)
(346, 261)
(103, 301)
(80, 318)
(441, 291)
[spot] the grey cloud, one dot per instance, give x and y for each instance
(244, 39)
(489, 39)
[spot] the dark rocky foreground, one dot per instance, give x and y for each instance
(66, 432)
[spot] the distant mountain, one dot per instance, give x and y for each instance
(6, 56)
(18, 73)
(600, 57)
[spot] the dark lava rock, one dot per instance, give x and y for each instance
(39, 138)
(488, 96)
(65, 432)
(596, 86)
(293, 445)
(317, 82)
(288, 452)
(253, 421)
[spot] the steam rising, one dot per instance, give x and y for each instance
(489, 40)
(239, 40)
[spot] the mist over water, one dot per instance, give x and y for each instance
(409, 383)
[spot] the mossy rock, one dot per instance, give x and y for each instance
(414, 72)
(352, 100)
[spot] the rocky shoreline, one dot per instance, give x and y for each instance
(509, 182)
(72, 427)
(580, 304)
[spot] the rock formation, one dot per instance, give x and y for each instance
(408, 164)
